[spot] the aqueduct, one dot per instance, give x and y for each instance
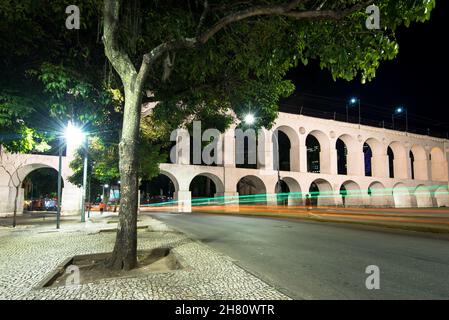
(21, 165)
(345, 164)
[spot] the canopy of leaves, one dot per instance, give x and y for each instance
(242, 68)
(51, 75)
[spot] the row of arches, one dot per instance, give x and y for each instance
(253, 190)
(371, 158)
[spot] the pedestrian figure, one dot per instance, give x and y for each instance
(102, 207)
(308, 203)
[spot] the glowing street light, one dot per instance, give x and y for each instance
(76, 136)
(249, 119)
(353, 102)
(397, 112)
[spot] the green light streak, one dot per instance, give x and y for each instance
(262, 198)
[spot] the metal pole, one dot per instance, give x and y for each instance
(279, 187)
(360, 114)
(83, 203)
(58, 213)
(347, 113)
(89, 199)
(406, 120)
(392, 120)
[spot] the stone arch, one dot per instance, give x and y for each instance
(252, 190)
(293, 154)
(204, 187)
(32, 198)
(399, 161)
(322, 193)
(324, 151)
(379, 196)
(172, 178)
(351, 194)
(351, 157)
(294, 197)
(438, 165)
(23, 172)
(375, 159)
(401, 196)
(219, 185)
(441, 195)
(418, 163)
(423, 197)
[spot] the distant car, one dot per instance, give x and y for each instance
(157, 199)
(50, 204)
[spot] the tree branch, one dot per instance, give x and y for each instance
(203, 17)
(119, 58)
(287, 10)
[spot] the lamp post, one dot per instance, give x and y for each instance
(83, 202)
(76, 136)
(105, 187)
(398, 111)
(278, 167)
(354, 101)
(58, 213)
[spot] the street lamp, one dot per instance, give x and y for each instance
(278, 165)
(105, 186)
(352, 102)
(397, 112)
(76, 136)
(249, 119)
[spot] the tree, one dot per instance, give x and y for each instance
(201, 44)
(40, 53)
(11, 165)
(197, 59)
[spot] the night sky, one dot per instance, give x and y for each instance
(416, 79)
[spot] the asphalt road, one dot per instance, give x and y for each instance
(313, 260)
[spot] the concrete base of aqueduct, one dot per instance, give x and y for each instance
(361, 191)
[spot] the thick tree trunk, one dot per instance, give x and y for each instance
(14, 217)
(124, 255)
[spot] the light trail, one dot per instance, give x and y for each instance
(261, 198)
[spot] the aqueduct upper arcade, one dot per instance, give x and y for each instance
(342, 163)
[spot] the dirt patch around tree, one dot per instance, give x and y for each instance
(90, 268)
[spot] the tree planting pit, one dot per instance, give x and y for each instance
(92, 268)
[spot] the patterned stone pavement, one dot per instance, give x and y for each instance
(28, 256)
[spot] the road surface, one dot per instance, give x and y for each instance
(313, 260)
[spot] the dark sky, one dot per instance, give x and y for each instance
(415, 79)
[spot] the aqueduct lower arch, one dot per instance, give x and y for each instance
(21, 166)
